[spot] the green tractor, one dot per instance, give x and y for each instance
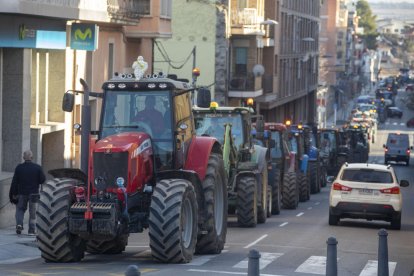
(249, 194)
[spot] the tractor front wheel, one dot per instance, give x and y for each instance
(314, 178)
(276, 193)
(215, 206)
(173, 221)
(55, 241)
(262, 206)
(290, 195)
(247, 201)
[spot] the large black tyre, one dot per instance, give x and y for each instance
(304, 189)
(323, 176)
(276, 194)
(396, 223)
(55, 241)
(246, 208)
(290, 193)
(269, 201)
(215, 206)
(314, 178)
(173, 221)
(115, 246)
(262, 206)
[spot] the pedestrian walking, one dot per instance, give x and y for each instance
(25, 188)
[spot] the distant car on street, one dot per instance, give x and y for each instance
(393, 111)
(367, 191)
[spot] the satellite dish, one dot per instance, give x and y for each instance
(258, 70)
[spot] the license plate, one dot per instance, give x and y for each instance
(365, 191)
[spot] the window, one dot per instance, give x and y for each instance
(241, 61)
(367, 175)
(166, 8)
(110, 60)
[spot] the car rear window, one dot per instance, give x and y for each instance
(394, 139)
(367, 175)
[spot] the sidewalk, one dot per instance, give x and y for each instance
(17, 248)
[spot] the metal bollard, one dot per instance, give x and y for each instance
(382, 253)
(253, 268)
(331, 260)
(132, 270)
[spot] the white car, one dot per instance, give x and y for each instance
(367, 191)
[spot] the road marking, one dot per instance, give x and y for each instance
(317, 203)
(371, 267)
(212, 272)
(256, 241)
(139, 246)
(283, 224)
(265, 259)
(387, 123)
(313, 265)
(18, 260)
(300, 214)
(394, 123)
(309, 208)
(200, 260)
(402, 124)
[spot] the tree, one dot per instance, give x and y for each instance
(367, 21)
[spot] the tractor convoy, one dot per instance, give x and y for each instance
(177, 166)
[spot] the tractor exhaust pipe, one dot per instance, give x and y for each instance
(86, 128)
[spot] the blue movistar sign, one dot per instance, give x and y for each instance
(84, 36)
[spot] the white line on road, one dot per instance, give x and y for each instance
(313, 265)
(283, 224)
(200, 260)
(300, 214)
(265, 259)
(18, 260)
(226, 272)
(256, 241)
(371, 267)
(394, 123)
(309, 208)
(402, 124)
(317, 203)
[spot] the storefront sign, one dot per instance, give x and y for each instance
(84, 36)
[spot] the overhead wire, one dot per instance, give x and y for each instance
(167, 59)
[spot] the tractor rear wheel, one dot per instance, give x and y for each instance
(303, 183)
(247, 201)
(262, 206)
(276, 193)
(115, 246)
(55, 241)
(290, 196)
(215, 206)
(173, 221)
(314, 177)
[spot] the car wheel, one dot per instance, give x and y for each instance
(396, 223)
(333, 219)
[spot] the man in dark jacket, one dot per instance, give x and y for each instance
(25, 184)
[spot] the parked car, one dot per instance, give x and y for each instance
(393, 111)
(366, 191)
(397, 148)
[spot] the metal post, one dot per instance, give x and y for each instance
(86, 128)
(253, 268)
(331, 260)
(382, 253)
(132, 270)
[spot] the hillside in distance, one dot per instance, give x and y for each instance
(395, 10)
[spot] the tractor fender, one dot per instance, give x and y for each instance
(198, 154)
(69, 173)
(259, 157)
(313, 153)
(304, 163)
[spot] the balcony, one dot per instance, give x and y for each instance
(127, 11)
(245, 86)
(246, 21)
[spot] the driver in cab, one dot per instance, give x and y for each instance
(151, 116)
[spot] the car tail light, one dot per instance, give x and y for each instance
(339, 187)
(391, 191)
(408, 152)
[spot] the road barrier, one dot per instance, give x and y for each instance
(382, 253)
(132, 270)
(331, 260)
(253, 267)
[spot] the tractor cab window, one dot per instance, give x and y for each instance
(213, 124)
(149, 112)
(276, 152)
(293, 143)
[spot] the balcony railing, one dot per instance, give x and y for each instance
(126, 10)
(247, 18)
(245, 83)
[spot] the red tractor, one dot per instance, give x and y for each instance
(139, 171)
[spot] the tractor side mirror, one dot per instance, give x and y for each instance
(260, 128)
(68, 102)
(203, 97)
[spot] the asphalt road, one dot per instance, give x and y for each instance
(292, 243)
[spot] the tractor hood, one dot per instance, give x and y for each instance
(121, 142)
